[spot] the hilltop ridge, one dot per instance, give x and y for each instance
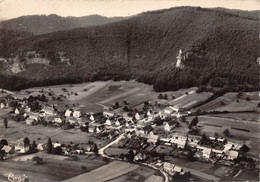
(220, 46)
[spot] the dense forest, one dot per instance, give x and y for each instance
(42, 24)
(220, 48)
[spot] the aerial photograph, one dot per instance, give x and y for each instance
(129, 90)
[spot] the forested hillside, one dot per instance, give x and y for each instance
(42, 24)
(220, 48)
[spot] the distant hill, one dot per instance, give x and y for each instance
(42, 24)
(220, 50)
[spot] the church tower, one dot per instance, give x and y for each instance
(178, 63)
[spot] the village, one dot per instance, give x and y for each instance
(155, 133)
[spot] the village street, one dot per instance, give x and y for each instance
(101, 151)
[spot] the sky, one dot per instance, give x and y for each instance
(110, 8)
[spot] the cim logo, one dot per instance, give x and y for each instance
(16, 178)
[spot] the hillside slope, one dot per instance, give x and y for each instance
(42, 24)
(220, 48)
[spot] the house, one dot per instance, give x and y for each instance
(152, 138)
(16, 111)
(140, 156)
(68, 113)
(178, 169)
(206, 152)
(91, 129)
(30, 121)
(92, 118)
(163, 115)
(57, 120)
(56, 144)
(179, 139)
(212, 138)
(168, 167)
(168, 126)
(148, 113)
(193, 140)
(168, 110)
(221, 140)
(77, 114)
(109, 122)
(108, 114)
(20, 146)
(2, 105)
(34, 116)
(48, 110)
(232, 154)
(40, 147)
(119, 122)
(137, 116)
(27, 109)
(7, 149)
(71, 120)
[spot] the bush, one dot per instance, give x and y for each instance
(37, 159)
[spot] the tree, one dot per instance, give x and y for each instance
(5, 122)
(26, 142)
(244, 148)
(226, 133)
(34, 146)
(37, 159)
(165, 97)
(160, 96)
(57, 150)
(125, 103)
(49, 146)
(116, 105)
(130, 156)
(3, 142)
(95, 150)
(194, 122)
(190, 155)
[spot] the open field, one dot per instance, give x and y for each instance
(192, 99)
(115, 151)
(54, 168)
(236, 127)
(232, 103)
(95, 96)
(248, 116)
(235, 106)
(111, 171)
(142, 173)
